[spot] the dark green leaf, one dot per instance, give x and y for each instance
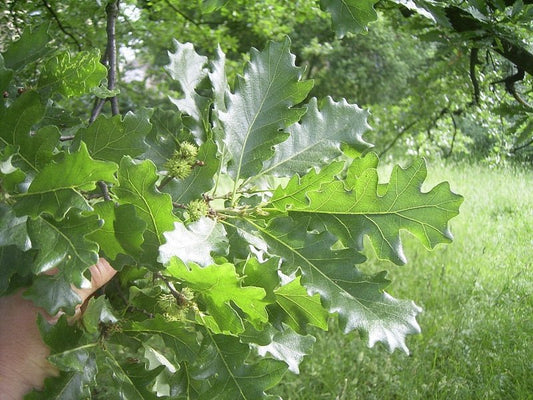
(175, 336)
(358, 299)
(13, 229)
(30, 46)
(111, 138)
(350, 15)
(13, 261)
(56, 189)
(137, 187)
(53, 293)
(351, 214)
(167, 132)
(98, 311)
(17, 120)
(223, 359)
(63, 245)
(5, 75)
(200, 180)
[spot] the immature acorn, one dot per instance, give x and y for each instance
(177, 167)
(188, 151)
(182, 160)
(197, 209)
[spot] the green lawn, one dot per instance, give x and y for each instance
(477, 296)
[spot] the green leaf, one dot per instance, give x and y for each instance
(360, 210)
(73, 75)
(17, 120)
(195, 242)
(112, 138)
(30, 47)
(38, 149)
(137, 187)
(63, 245)
(289, 347)
(13, 229)
(219, 81)
(187, 67)
(59, 336)
(294, 195)
(5, 76)
(261, 107)
(123, 387)
(317, 138)
(10, 176)
(264, 275)
(53, 293)
(350, 15)
(223, 360)
(122, 231)
(167, 131)
(219, 286)
(56, 189)
(174, 334)
(200, 180)
(358, 299)
(300, 308)
(74, 384)
(13, 261)
(98, 311)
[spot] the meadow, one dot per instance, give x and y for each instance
(477, 296)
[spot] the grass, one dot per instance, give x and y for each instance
(477, 324)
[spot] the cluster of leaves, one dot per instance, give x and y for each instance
(236, 222)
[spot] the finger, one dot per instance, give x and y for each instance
(101, 273)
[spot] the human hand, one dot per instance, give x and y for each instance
(23, 354)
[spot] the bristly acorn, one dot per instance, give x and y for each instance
(177, 167)
(182, 161)
(188, 152)
(197, 209)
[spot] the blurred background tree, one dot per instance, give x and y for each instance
(442, 79)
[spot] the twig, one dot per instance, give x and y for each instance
(60, 25)
(105, 190)
(181, 299)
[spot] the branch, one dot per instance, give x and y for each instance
(453, 137)
(511, 89)
(60, 25)
(180, 298)
(185, 16)
(112, 14)
(523, 146)
(473, 62)
(109, 59)
(398, 136)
